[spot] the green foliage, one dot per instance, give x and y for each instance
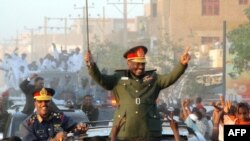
(240, 48)
(167, 49)
(247, 12)
(108, 55)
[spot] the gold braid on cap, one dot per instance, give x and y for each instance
(43, 92)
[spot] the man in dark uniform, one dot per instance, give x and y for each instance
(136, 91)
(46, 125)
(28, 90)
(89, 109)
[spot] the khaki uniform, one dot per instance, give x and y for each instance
(136, 98)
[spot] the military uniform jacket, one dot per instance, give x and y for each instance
(34, 128)
(137, 99)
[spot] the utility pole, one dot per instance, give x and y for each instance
(51, 27)
(17, 39)
(31, 30)
(83, 25)
(103, 24)
(65, 33)
(125, 30)
(45, 31)
(224, 58)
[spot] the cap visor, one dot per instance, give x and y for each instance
(43, 98)
(139, 60)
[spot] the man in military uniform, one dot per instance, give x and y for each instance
(46, 125)
(136, 91)
(28, 90)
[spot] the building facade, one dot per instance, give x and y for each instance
(199, 22)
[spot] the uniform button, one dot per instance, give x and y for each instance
(137, 80)
(136, 112)
(48, 129)
(124, 84)
(149, 85)
(136, 91)
(154, 116)
(119, 116)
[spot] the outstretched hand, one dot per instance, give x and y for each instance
(54, 45)
(34, 75)
(185, 57)
(174, 126)
(82, 127)
(88, 58)
(60, 136)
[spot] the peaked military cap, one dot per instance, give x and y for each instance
(136, 54)
(43, 94)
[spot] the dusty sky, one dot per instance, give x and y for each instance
(17, 14)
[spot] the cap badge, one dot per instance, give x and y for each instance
(43, 92)
(140, 52)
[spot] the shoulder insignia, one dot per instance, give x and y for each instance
(56, 115)
(30, 121)
(150, 76)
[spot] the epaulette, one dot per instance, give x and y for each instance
(56, 115)
(30, 121)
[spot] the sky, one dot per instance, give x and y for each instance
(17, 16)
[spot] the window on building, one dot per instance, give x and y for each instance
(210, 7)
(209, 40)
(243, 2)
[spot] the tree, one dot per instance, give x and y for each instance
(240, 47)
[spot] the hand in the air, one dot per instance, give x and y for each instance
(88, 58)
(185, 57)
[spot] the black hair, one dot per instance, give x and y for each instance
(38, 78)
(87, 95)
(198, 100)
(242, 105)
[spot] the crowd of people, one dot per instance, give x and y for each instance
(17, 68)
